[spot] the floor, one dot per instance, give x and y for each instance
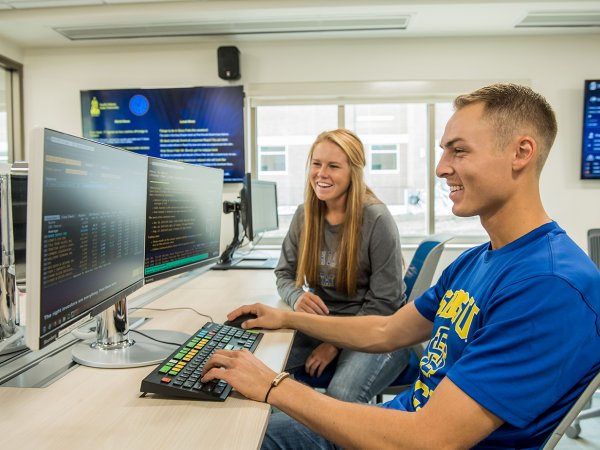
(589, 438)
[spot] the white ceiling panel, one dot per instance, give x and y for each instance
(45, 23)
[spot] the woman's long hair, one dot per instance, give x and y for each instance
(311, 237)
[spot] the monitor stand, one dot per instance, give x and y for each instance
(248, 262)
(115, 346)
(14, 343)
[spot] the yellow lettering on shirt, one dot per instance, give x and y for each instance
(460, 308)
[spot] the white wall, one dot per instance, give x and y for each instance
(11, 51)
(554, 65)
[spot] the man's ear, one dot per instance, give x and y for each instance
(525, 153)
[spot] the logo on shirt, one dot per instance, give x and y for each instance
(435, 358)
(460, 308)
(328, 268)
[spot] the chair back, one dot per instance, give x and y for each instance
(419, 274)
(594, 245)
(572, 414)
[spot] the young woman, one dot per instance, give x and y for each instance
(342, 256)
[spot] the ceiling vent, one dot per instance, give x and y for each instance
(239, 28)
(560, 20)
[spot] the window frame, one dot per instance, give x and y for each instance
(14, 108)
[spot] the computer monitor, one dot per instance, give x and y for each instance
(258, 207)
(183, 225)
(86, 216)
(590, 149)
(256, 213)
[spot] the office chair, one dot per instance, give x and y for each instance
(594, 252)
(570, 423)
(417, 278)
(594, 245)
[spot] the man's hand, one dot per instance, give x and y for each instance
(311, 303)
(320, 358)
(267, 317)
(242, 370)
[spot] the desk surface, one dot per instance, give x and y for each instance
(103, 408)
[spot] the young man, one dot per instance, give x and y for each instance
(514, 325)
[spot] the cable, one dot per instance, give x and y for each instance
(172, 309)
(156, 340)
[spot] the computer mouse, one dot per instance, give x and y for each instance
(237, 322)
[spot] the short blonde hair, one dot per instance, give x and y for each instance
(513, 109)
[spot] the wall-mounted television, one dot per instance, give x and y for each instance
(197, 125)
(590, 155)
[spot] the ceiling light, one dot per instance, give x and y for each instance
(224, 29)
(560, 19)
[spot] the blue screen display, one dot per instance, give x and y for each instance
(197, 125)
(590, 157)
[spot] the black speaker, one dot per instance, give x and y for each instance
(228, 59)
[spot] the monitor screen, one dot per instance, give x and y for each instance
(590, 155)
(259, 207)
(183, 225)
(197, 125)
(85, 226)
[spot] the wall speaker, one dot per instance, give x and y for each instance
(228, 59)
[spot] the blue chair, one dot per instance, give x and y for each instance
(418, 279)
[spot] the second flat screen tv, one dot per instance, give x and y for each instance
(196, 125)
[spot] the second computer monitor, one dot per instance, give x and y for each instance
(183, 225)
(257, 212)
(259, 207)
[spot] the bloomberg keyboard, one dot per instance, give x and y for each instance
(179, 374)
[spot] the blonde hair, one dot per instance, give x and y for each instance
(314, 217)
(513, 109)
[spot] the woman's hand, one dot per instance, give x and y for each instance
(311, 303)
(320, 358)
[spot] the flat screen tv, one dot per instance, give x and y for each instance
(590, 155)
(196, 125)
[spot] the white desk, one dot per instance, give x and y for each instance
(103, 409)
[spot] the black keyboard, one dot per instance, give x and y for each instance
(179, 374)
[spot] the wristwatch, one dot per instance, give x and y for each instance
(278, 379)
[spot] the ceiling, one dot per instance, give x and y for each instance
(49, 23)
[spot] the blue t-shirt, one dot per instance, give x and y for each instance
(517, 329)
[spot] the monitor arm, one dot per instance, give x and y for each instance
(234, 207)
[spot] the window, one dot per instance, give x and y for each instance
(395, 134)
(11, 116)
(272, 159)
(384, 158)
(284, 135)
(3, 116)
(401, 141)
